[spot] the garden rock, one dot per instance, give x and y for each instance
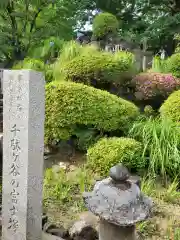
(56, 231)
(81, 230)
(136, 180)
(90, 219)
(119, 173)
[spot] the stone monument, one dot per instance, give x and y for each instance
(23, 147)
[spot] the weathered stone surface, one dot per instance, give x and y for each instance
(118, 203)
(89, 218)
(109, 231)
(23, 148)
(136, 180)
(81, 230)
(119, 173)
(56, 231)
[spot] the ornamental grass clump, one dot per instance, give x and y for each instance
(161, 145)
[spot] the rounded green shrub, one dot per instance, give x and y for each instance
(70, 51)
(108, 152)
(69, 105)
(173, 65)
(100, 68)
(171, 107)
(103, 24)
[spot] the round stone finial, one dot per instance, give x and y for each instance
(119, 173)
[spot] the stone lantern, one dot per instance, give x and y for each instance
(119, 203)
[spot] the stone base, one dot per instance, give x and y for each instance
(108, 231)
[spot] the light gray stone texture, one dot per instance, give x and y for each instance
(109, 231)
(24, 98)
(118, 203)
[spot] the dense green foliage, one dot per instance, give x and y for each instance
(30, 63)
(108, 152)
(154, 22)
(37, 65)
(161, 145)
(71, 104)
(27, 24)
(68, 53)
(171, 107)
(173, 65)
(94, 67)
(105, 24)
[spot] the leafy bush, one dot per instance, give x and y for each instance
(69, 105)
(30, 63)
(108, 152)
(37, 65)
(171, 107)
(149, 111)
(151, 85)
(173, 64)
(103, 24)
(97, 68)
(161, 143)
(70, 51)
(85, 137)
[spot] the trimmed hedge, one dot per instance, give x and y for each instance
(100, 68)
(173, 64)
(171, 107)
(150, 85)
(69, 105)
(108, 152)
(103, 24)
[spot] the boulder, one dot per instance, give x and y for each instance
(82, 230)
